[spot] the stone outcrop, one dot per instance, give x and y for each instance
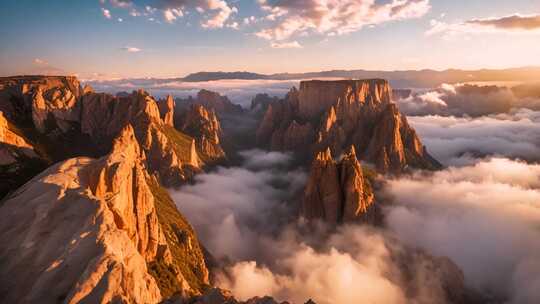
(12, 145)
(166, 109)
(51, 100)
(75, 121)
(214, 101)
(261, 102)
(85, 230)
(338, 114)
(204, 126)
(338, 192)
(169, 153)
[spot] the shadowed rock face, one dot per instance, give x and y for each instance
(338, 114)
(214, 101)
(337, 192)
(204, 126)
(85, 230)
(166, 108)
(12, 145)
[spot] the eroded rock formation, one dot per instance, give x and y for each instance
(338, 114)
(214, 101)
(12, 145)
(73, 121)
(204, 126)
(85, 230)
(338, 192)
(166, 108)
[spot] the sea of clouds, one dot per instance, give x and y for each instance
(485, 217)
(482, 212)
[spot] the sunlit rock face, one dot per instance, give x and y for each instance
(12, 145)
(51, 101)
(337, 191)
(203, 125)
(166, 109)
(169, 153)
(70, 120)
(338, 114)
(85, 230)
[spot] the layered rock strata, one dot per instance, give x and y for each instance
(338, 114)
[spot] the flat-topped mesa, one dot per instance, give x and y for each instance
(316, 96)
(337, 192)
(341, 113)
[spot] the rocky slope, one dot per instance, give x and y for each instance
(69, 121)
(338, 114)
(338, 192)
(87, 229)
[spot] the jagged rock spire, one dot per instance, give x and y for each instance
(337, 192)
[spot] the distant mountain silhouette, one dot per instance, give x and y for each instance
(398, 79)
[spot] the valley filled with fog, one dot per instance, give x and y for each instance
(481, 211)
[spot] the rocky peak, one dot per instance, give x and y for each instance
(337, 192)
(166, 108)
(344, 113)
(115, 231)
(205, 127)
(214, 101)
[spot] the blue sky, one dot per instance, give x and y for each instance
(124, 38)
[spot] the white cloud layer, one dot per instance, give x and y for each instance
(484, 217)
(457, 141)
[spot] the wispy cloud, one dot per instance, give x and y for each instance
(294, 18)
(516, 23)
(131, 49)
(106, 13)
(215, 13)
(40, 61)
(286, 45)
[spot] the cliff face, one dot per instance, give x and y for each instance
(169, 153)
(166, 109)
(337, 192)
(204, 126)
(338, 114)
(52, 101)
(78, 121)
(12, 145)
(107, 229)
(214, 101)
